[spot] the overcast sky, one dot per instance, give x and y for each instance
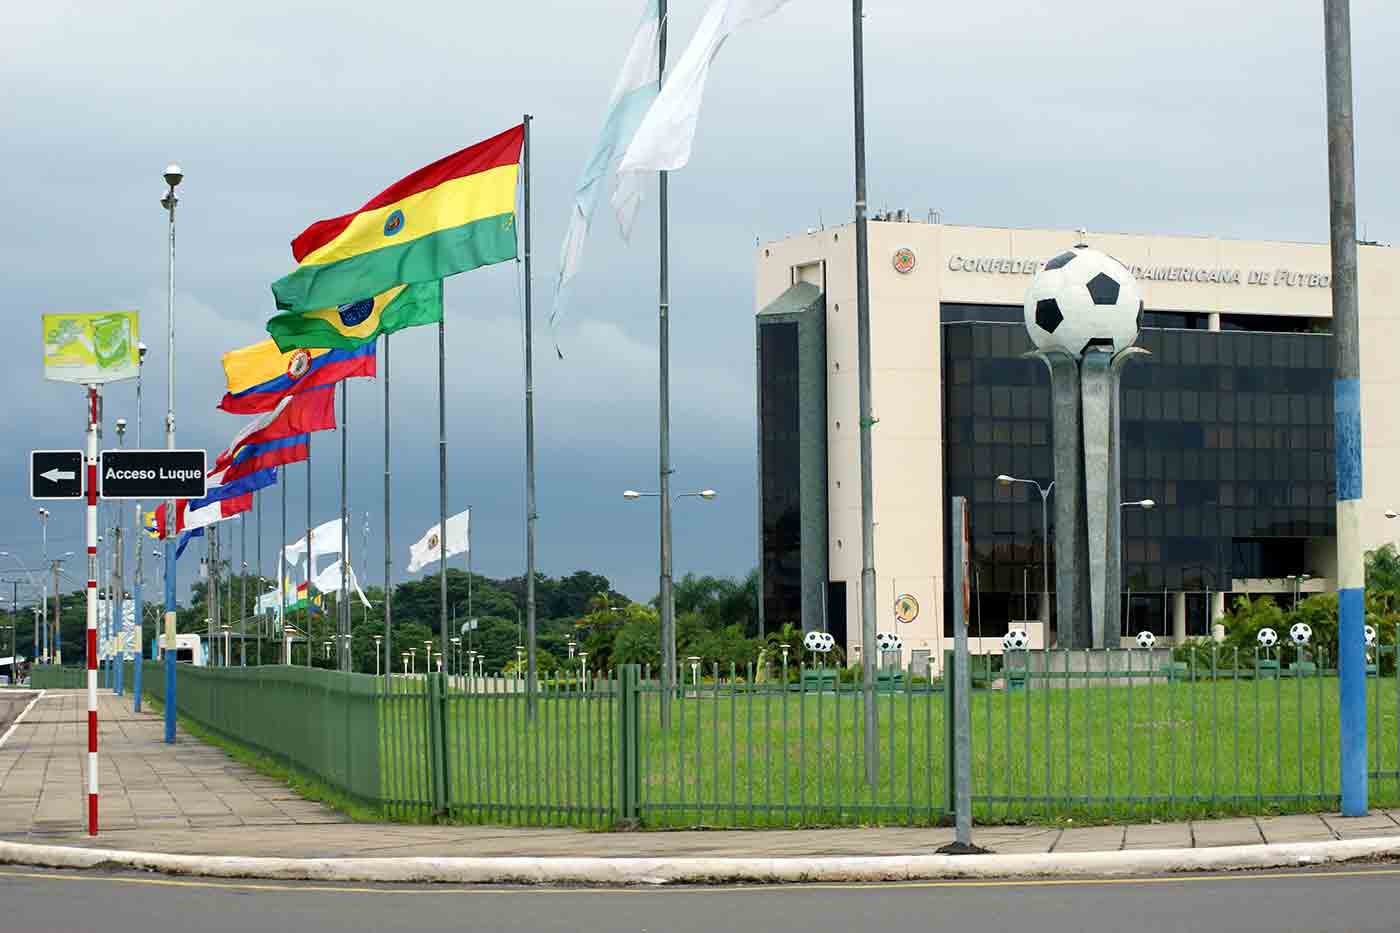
(1189, 117)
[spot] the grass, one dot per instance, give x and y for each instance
(1102, 752)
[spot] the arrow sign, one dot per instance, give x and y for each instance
(56, 474)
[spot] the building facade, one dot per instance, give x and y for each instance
(1226, 427)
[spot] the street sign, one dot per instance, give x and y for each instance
(151, 474)
(56, 474)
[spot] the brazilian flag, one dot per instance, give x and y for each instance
(355, 324)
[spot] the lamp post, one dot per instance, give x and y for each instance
(413, 660)
(668, 601)
(138, 606)
(1146, 505)
(1298, 580)
(378, 639)
(173, 176)
(454, 659)
(1006, 480)
(405, 662)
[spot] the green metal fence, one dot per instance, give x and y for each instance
(53, 677)
(1121, 734)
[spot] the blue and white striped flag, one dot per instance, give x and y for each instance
(631, 99)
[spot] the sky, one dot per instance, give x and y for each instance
(1192, 117)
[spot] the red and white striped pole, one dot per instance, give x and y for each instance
(92, 607)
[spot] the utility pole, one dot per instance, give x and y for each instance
(1346, 388)
(173, 176)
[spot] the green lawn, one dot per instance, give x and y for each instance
(734, 758)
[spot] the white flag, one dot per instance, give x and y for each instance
(663, 141)
(429, 547)
(325, 538)
(631, 97)
(328, 581)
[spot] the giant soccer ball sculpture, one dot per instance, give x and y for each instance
(1300, 633)
(1015, 640)
(1083, 311)
(818, 642)
(888, 641)
(1267, 638)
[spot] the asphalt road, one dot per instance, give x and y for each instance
(1354, 899)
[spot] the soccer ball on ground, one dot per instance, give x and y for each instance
(820, 642)
(888, 641)
(1015, 640)
(1146, 639)
(1083, 299)
(1267, 638)
(1301, 633)
(1370, 632)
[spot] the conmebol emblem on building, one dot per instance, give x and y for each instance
(1083, 311)
(904, 260)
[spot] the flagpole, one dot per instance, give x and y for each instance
(342, 607)
(529, 446)
(442, 475)
(243, 590)
(867, 495)
(310, 552)
(388, 572)
(282, 574)
(262, 622)
(668, 620)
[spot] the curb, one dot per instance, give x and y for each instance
(660, 871)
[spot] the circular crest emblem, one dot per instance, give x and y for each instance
(904, 260)
(299, 364)
(906, 608)
(433, 542)
(393, 223)
(355, 313)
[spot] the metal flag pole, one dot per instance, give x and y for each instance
(310, 553)
(470, 617)
(342, 608)
(282, 572)
(257, 598)
(388, 570)
(243, 590)
(668, 607)
(139, 608)
(173, 177)
(530, 515)
(91, 608)
(1351, 567)
(868, 651)
(442, 474)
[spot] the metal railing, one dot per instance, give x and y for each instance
(1118, 734)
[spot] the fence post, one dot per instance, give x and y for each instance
(437, 743)
(629, 729)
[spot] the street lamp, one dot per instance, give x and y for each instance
(405, 662)
(377, 640)
(1298, 580)
(668, 600)
(1006, 480)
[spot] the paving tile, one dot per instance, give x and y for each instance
(1307, 827)
(1090, 839)
(1235, 832)
(1158, 836)
(1362, 827)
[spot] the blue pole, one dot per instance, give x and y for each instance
(1351, 563)
(170, 647)
(140, 628)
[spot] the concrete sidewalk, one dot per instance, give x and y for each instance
(192, 799)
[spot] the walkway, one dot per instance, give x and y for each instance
(154, 794)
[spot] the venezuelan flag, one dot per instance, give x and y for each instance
(452, 216)
(352, 325)
(251, 458)
(260, 376)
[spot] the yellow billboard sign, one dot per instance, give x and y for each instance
(91, 348)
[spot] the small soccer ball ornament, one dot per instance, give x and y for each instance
(1370, 632)
(1300, 633)
(1083, 299)
(1146, 640)
(888, 641)
(1015, 640)
(819, 642)
(1267, 638)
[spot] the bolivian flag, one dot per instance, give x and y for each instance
(452, 216)
(352, 325)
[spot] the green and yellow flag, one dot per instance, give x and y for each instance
(352, 325)
(452, 216)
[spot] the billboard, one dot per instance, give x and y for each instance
(91, 348)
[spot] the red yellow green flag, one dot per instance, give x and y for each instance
(452, 216)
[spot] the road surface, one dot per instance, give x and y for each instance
(1351, 899)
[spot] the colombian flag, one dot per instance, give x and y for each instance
(260, 376)
(352, 325)
(452, 216)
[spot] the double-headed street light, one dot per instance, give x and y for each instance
(1006, 480)
(668, 602)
